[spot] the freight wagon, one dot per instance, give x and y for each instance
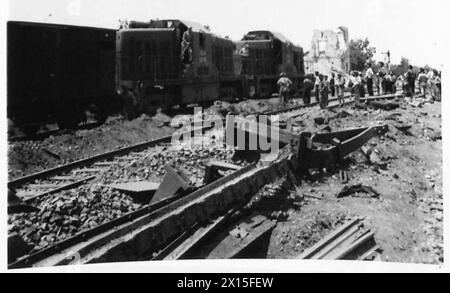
(58, 72)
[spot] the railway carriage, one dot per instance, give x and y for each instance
(57, 72)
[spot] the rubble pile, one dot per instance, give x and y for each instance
(27, 157)
(394, 183)
(67, 213)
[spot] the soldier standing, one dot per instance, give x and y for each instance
(324, 89)
(332, 85)
(369, 79)
(186, 46)
(308, 86)
(410, 80)
(285, 85)
(340, 86)
(317, 86)
(244, 52)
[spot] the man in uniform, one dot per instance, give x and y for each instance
(285, 85)
(340, 86)
(332, 85)
(356, 82)
(423, 82)
(411, 81)
(308, 86)
(369, 79)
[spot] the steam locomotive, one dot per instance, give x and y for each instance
(57, 72)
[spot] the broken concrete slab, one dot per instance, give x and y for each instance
(212, 169)
(141, 191)
(174, 182)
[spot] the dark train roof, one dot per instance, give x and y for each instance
(169, 23)
(54, 25)
(172, 24)
(265, 35)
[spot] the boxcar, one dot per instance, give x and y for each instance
(57, 72)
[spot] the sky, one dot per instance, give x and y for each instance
(414, 29)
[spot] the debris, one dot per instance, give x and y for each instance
(141, 191)
(386, 105)
(312, 196)
(52, 154)
(180, 121)
(356, 189)
(174, 181)
(212, 170)
(350, 242)
(250, 236)
(326, 129)
(319, 120)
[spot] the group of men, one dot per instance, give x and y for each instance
(323, 88)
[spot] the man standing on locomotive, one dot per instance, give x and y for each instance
(186, 47)
(244, 52)
(285, 86)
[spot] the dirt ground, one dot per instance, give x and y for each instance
(407, 217)
(27, 157)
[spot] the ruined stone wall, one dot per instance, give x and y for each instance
(329, 52)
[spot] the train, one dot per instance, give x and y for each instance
(58, 72)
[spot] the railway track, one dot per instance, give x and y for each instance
(38, 188)
(46, 134)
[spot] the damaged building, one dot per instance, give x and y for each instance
(329, 52)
